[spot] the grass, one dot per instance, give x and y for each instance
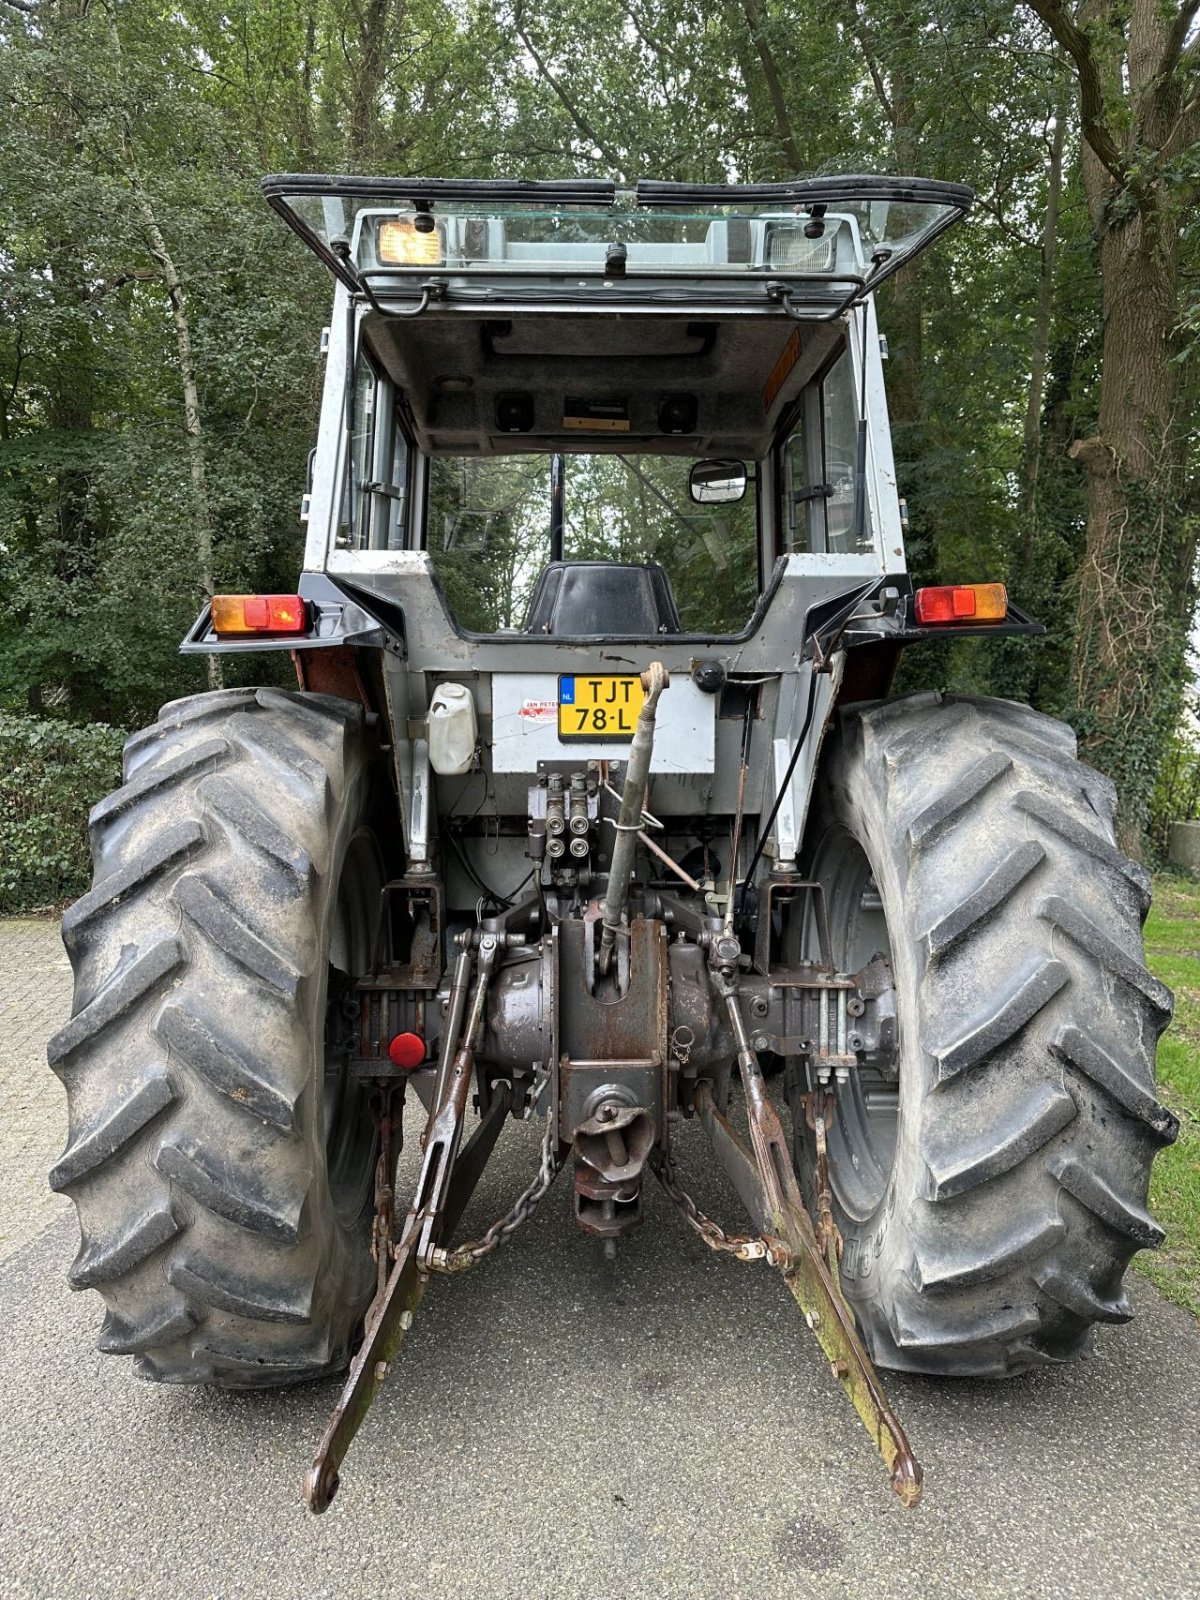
(1173, 953)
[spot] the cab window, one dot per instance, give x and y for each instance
(375, 483)
(818, 462)
(488, 532)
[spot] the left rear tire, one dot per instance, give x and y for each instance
(220, 1155)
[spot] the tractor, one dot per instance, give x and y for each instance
(592, 804)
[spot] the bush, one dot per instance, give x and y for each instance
(1177, 790)
(51, 774)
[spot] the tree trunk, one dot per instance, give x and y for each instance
(1135, 583)
(192, 426)
(373, 19)
(1041, 346)
(784, 131)
(1138, 111)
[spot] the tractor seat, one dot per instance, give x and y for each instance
(575, 599)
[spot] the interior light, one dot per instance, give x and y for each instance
(258, 613)
(400, 242)
(961, 602)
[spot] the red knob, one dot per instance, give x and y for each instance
(407, 1051)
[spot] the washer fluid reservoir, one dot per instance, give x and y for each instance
(453, 730)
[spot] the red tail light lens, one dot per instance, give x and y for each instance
(407, 1051)
(961, 602)
(258, 613)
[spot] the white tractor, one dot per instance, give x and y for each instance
(591, 805)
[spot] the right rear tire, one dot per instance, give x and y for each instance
(220, 1158)
(991, 1194)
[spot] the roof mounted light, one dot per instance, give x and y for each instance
(415, 240)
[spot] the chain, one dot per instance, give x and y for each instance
(383, 1226)
(469, 1255)
(744, 1246)
(818, 1108)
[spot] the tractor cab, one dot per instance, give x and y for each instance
(593, 413)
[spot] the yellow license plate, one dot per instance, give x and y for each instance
(601, 709)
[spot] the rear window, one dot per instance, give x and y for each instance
(488, 532)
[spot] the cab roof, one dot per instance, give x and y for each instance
(669, 317)
(819, 243)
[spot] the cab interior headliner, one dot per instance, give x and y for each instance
(453, 368)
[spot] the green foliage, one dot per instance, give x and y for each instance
(1173, 953)
(1130, 720)
(99, 562)
(51, 774)
(1176, 796)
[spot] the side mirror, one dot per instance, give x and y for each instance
(717, 483)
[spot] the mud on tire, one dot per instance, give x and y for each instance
(227, 1244)
(1027, 1118)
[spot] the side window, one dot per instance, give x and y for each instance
(396, 480)
(797, 499)
(353, 531)
(375, 493)
(818, 462)
(387, 490)
(839, 440)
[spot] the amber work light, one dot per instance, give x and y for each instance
(402, 242)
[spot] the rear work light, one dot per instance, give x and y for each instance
(258, 613)
(412, 241)
(961, 602)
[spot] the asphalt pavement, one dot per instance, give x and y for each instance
(558, 1426)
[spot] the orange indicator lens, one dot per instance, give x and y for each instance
(258, 613)
(961, 602)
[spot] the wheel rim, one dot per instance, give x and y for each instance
(349, 1129)
(862, 1136)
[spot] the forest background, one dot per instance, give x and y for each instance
(159, 328)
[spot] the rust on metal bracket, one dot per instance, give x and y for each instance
(766, 1183)
(331, 671)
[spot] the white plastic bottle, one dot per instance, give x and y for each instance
(453, 730)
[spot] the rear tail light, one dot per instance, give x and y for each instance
(961, 602)
(258, 613)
